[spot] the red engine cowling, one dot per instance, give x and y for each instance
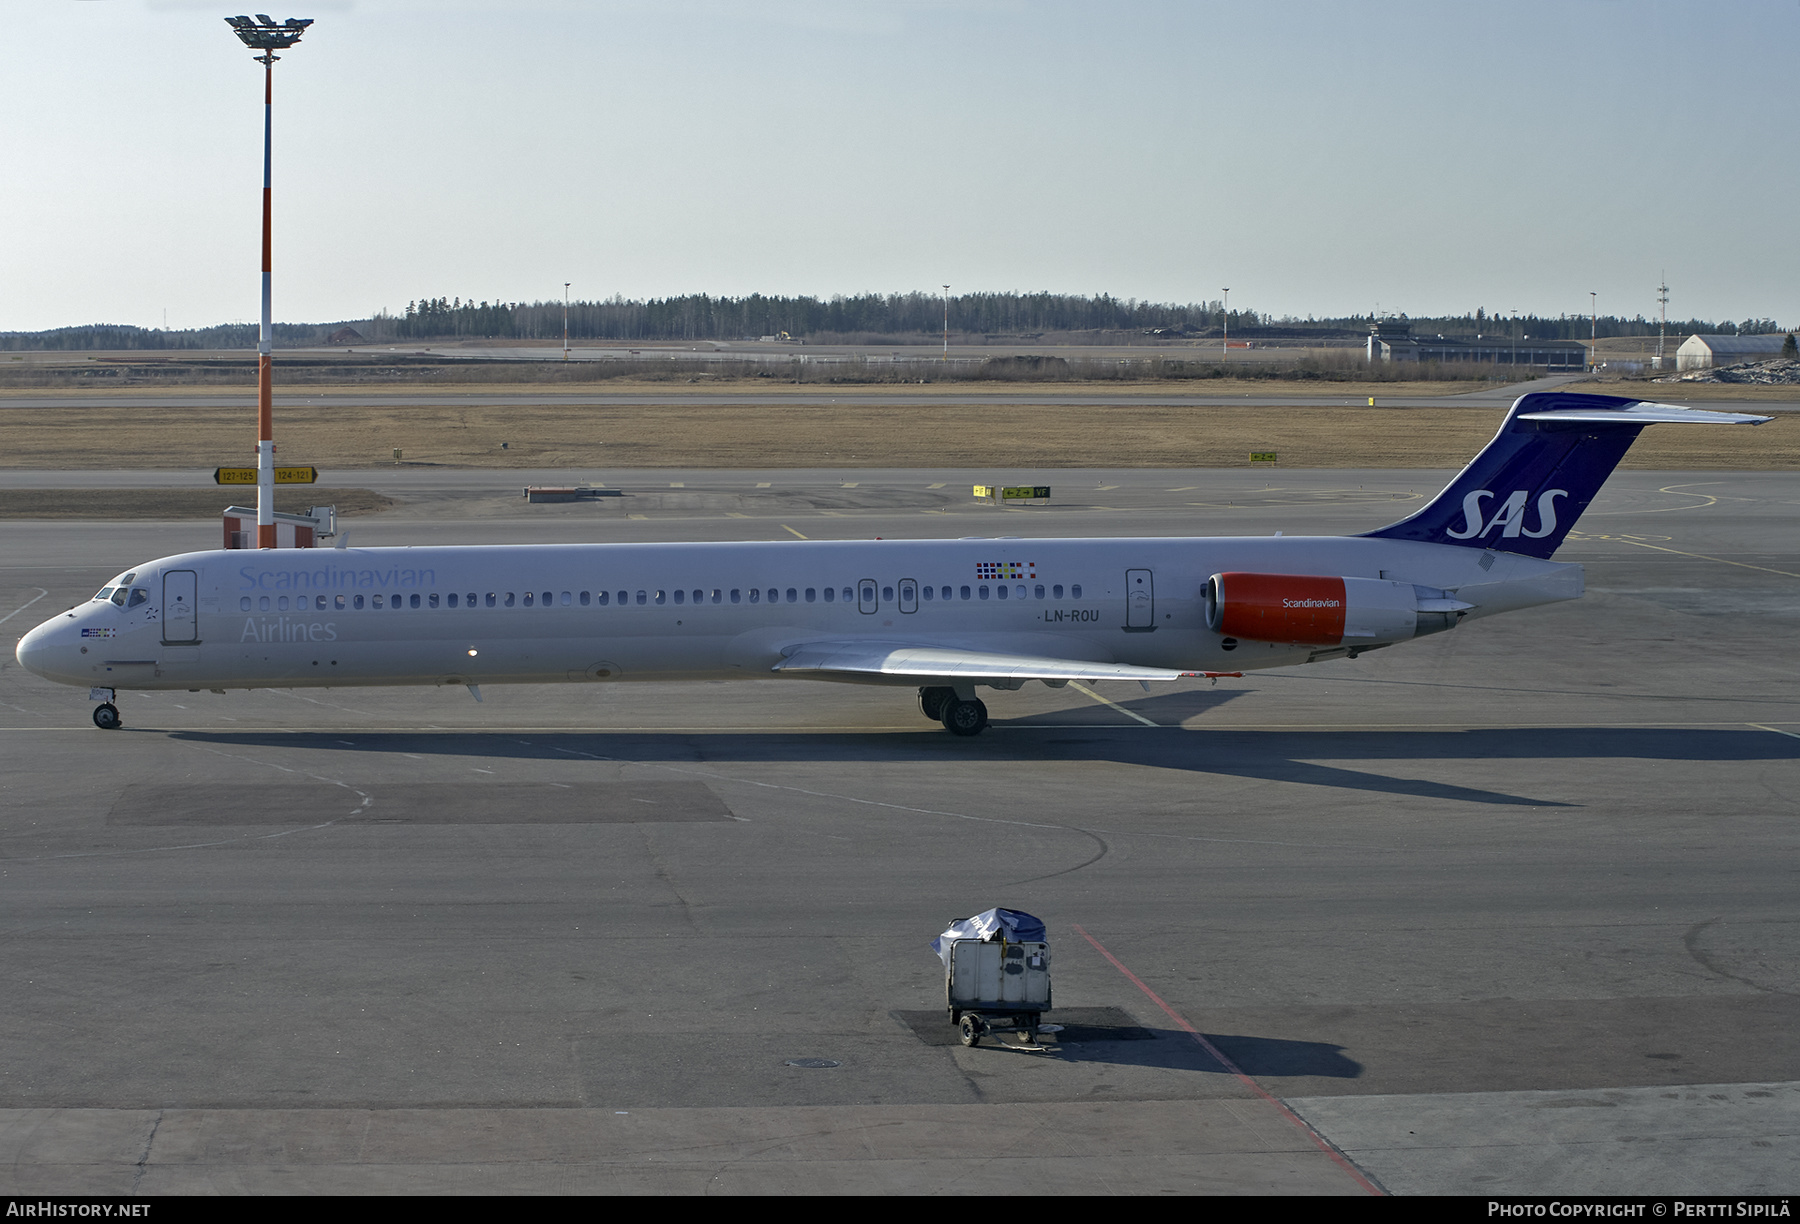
(1277, 608)
(1314, 610)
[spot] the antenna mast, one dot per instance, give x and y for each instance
(1662, 326)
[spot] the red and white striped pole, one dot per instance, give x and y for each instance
(265, 355)
(268, 36)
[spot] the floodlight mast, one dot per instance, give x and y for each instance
(268, 36)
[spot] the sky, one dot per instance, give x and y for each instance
(1315, 158)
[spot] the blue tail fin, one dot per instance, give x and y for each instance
(1523, 493)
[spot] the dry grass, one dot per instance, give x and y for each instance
(812, 433)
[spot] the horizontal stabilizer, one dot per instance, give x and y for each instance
(862, 658)
(1645, 413)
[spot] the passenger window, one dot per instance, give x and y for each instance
(965, 592)
(1000, 590)
(244, 604)
(491, 599)
(281, 603)
(624, 598)
(928, 592)
(887, 594)
(431, 600)
(471, 599)
(567, 598)
(509, 599)
(640, 597)
(1057, 590)
(450, 600)
(357, 602)
(830, 594)
(660, 597)
(602, 598)
(755, 594)
(529, 595)
(338, 601)
(812, 595)
(680, 596)
(983, 591)
(793, 596)
(1019, 591)
(584, 599)
(717, 595)
(547, 599)
(1039, 590)
(774, 595)
(1075, 591)
(395, 603)
(849, 594)
(734, 595)
(374, 601)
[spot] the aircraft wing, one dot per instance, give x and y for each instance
(864, 658)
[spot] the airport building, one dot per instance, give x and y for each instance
(1704, 352)
(1393, 341)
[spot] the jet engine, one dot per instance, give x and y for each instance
(1311, 610)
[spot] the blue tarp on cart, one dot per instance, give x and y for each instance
(1016, 925)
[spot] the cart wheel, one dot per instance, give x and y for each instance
(971, 1031)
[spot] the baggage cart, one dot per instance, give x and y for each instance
(996, 986)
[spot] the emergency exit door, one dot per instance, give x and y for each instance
(1140, 601)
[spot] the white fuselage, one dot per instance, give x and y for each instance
(558, 613)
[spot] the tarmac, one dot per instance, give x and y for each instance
(1507, 910)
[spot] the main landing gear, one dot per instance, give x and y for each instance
(958, 716)
(106, 717)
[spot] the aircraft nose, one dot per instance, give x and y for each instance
(37, 650)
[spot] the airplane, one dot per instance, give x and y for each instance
(945, 616)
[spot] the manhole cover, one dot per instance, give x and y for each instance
(812, 1064)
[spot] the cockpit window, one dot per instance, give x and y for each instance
(104, 592)
(126, 579)
(118, 596)
(138, 596)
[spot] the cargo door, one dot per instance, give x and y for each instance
(181, 625)
(1140, 601)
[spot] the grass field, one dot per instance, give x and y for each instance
(812, 433)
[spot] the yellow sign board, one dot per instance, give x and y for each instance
(1025, 493)
(1262, 456)
(283, 475)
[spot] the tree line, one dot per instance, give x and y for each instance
(861, 318)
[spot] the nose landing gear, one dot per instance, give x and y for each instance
(106, 717)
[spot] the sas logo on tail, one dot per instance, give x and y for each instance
(1509, 515)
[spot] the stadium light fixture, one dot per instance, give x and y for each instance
(267, 35)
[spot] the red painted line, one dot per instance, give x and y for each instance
(1323, 1144)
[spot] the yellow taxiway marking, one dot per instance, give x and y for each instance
(638, 516)
(735, 514)
(1079, 687)
(851, 484)
(796, 533)
(1680, 553)
(938, 485)
(678, 484)
(763, 484)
